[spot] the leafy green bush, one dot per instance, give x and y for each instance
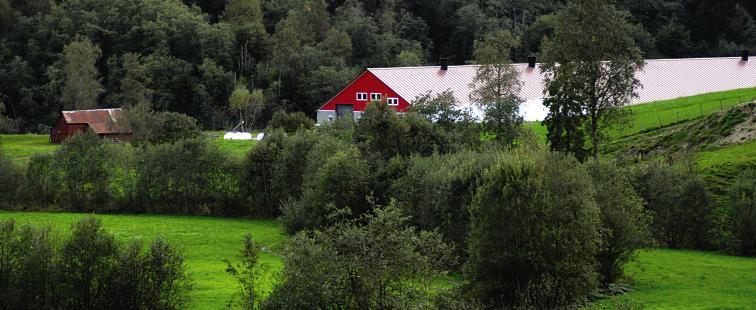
(10, 176)
(336, 180)
(683, 215)
(381, 264)
(151, 127)
(437, 192)
(257, 172)
(188, 177)
(742, 198)
(83, 167)
(624, 220)
(87, 270)
(290, 122)
(534, 232)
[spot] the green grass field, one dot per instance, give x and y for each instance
(21, 147)
(205, 242)
(662, 113)
(676, 279)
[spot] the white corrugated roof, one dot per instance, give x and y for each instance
(661, 79)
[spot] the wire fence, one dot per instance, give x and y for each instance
(658, 115)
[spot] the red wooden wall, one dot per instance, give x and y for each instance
(365, 83)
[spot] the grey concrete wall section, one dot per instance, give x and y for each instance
(325, 116)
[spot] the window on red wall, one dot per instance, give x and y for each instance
(392, 101)
(375, 97)
(362, 96)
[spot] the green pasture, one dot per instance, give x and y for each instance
(678, 279)
(21, 147)
(657, 114)
(205, 242)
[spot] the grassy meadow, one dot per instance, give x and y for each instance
(661, 278)
(680, 279)
(21, 147)
(652, 115)
(205, 242)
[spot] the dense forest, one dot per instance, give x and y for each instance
(190, 56)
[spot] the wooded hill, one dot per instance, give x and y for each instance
(189, 56)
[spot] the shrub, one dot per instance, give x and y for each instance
(437, 192)
(188, 176)
(88, 270)
(10, 175)
(290, 122)
(273, 171)
(533, 232)
(150, 127)
(257, 174)
(624, 220)
(39, 187)
(336, 180)
(246, 274)
(381, 264)
(176, 126)
(680, 206)
(86, 265)
(81, 174)
(742, 198)
(381, 133)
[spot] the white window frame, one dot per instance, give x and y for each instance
(390, 99)
(374, 95)
(364, 95)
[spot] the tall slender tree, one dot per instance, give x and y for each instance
(496, 85)
(81, 84)
(589, 72)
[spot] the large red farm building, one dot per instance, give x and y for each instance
(661, 79)
(104, 122)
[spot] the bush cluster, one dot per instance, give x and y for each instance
(87, 269)
(681, 207)
(189, 176)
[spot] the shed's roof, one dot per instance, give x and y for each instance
(102, 121)
(661, 79)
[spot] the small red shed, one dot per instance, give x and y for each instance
(105, 122)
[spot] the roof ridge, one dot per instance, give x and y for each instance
(108, 109)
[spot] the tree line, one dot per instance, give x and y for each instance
(225, 60)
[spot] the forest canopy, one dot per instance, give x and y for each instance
(189, 56)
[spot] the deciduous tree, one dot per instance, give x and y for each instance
(81, 84)
(589, 69)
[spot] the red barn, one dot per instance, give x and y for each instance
(353, 99)
(104, 122)
(662, 79)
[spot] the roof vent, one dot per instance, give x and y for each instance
(531, 61)
(444, 63)
(744, 55)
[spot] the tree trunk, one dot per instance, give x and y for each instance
(595, 134)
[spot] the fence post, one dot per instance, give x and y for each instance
(700, 107)
(660, 124)
(720, 105)
(678, 116)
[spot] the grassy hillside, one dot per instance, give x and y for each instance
(676, 279)
(719, 146)
(652, 115)
(649, 116)
(205, 241)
